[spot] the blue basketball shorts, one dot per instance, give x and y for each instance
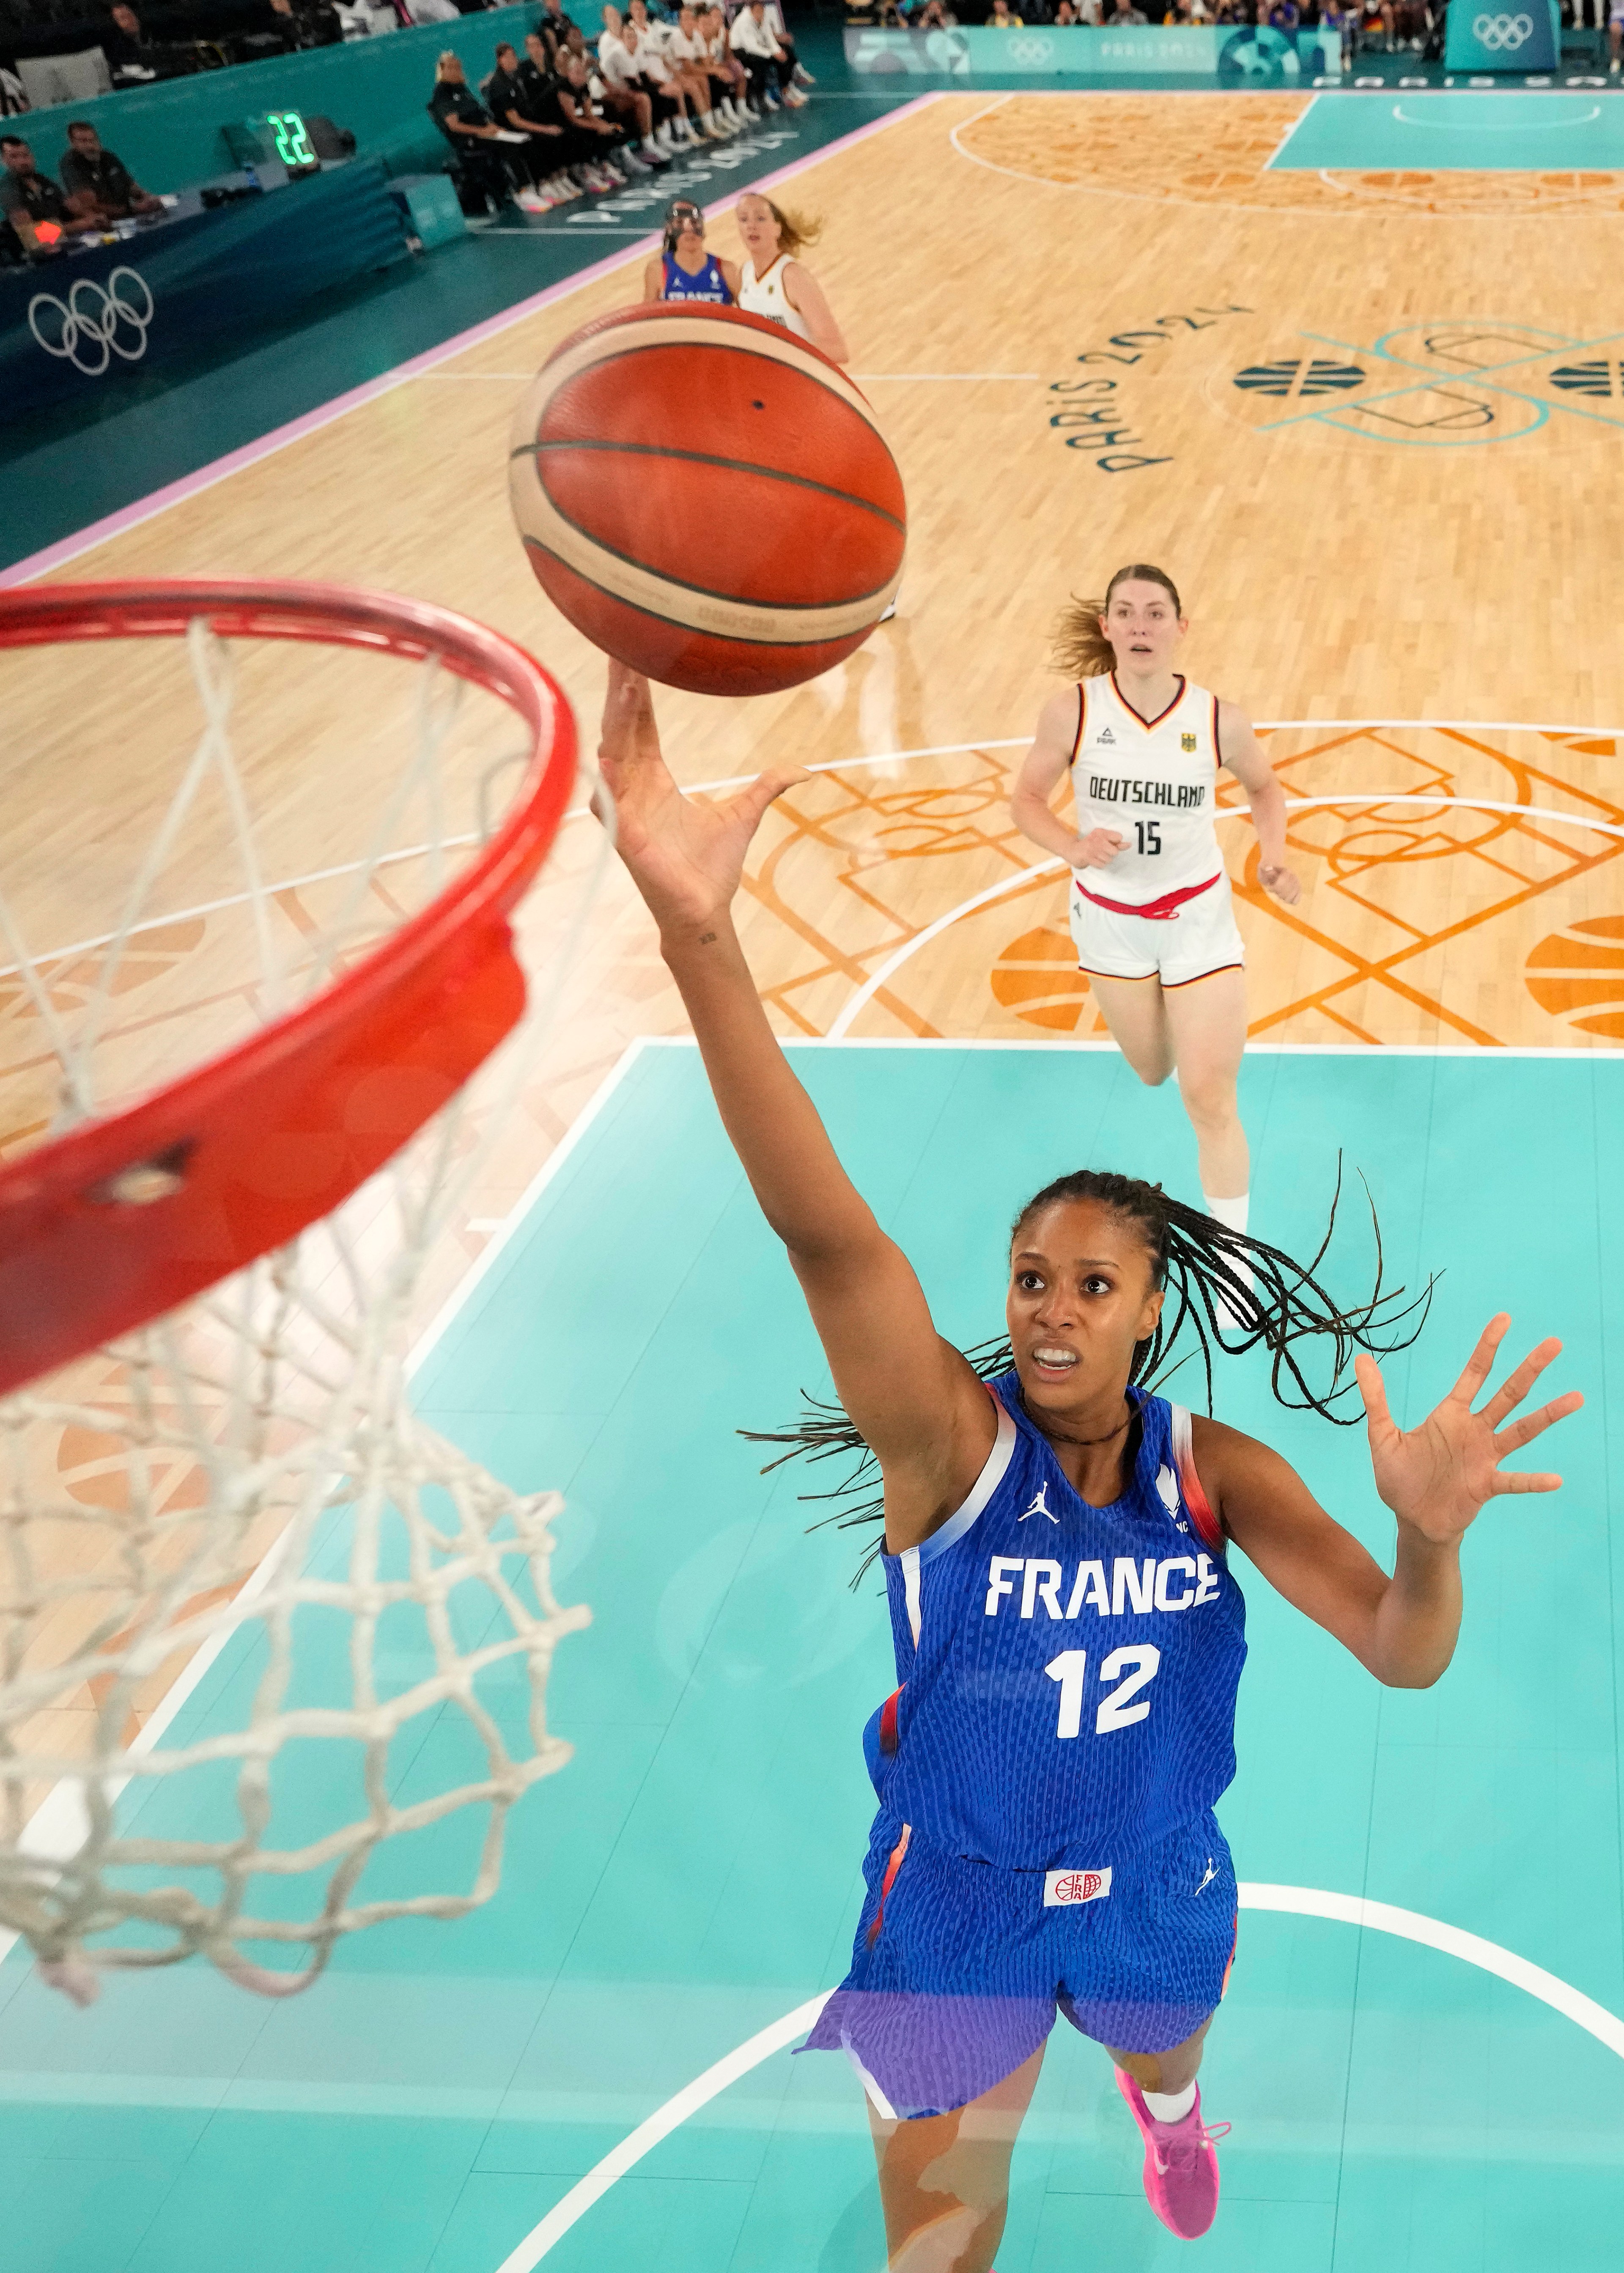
(958, 1968)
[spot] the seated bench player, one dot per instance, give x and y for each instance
(31, 203)
(97, 184)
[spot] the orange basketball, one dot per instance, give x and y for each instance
(707, 498)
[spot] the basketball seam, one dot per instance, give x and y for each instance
(704, 458)
(670, 623)
(576, 362)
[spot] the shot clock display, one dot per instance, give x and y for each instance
(278, 134)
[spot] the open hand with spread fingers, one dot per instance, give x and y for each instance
(1436, 1478)
(686, 856)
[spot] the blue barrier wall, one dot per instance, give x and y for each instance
(172, 134)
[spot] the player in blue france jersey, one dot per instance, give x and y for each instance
(1069, 1634)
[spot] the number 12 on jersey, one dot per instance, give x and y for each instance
(1139, 1661)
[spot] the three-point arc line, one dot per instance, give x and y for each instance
(1301, 1902)
(858, 1002)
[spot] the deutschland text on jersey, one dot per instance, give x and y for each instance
(1155, 781)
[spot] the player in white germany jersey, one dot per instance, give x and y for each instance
(1151, 912)
(777, 283)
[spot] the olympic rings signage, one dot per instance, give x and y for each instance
(1503, 33)
(1521, 36)
(1029, 53)
(95, 323)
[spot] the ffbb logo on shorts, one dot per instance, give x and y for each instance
(1062, 1888)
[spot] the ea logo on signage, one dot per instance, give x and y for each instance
(1502, 32)
(1031, 51)
(95, 325)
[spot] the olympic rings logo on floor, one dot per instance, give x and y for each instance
(1499, 32)
(94, 324)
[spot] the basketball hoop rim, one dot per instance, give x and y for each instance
(449, 963)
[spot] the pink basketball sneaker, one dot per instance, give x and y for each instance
(1181, 2170)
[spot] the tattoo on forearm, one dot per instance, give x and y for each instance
(706, 937)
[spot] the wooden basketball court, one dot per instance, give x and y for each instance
(1368, 418)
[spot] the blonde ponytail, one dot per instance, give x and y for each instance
(1081, 649)
(795, 230)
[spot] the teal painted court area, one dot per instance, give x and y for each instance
(693, 1875)
(1529, 132)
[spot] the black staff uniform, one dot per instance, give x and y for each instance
(485, 163)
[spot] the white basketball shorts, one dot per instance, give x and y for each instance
(1197, 938)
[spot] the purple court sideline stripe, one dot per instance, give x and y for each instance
(132, 516)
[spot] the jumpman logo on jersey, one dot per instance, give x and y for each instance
(1040, 1506)
(1211, 1875)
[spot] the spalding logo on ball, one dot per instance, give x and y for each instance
(708, 497)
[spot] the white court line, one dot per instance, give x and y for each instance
(1545, 126)
(659, 2125)
(858, 1002)
(871, 987)
(310, 422)
(788, 1042)
(839, 765)
(450, 844)
(1273, 156)
(55, 1828)
(1301, 1902)
(938, 377)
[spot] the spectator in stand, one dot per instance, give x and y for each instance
(1341, 16)
(1126, 12)
(124, 46)
(1284, 17)
(1004, 17)
(308, 24)
(97, 184)
(35, 209)
(730, 82)
(752, 41)
(580, 112)
(536, 72)
(554, 24)
(683, 53)
(773, 16)
(1375, 23)
(1066, 16)
(550, 150)
(628, 94)
(656, 82)
(1412, 20)
(475, 135)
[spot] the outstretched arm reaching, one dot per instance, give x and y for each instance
(914, 1397)
(1436, 1479)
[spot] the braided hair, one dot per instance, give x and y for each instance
(1227, 1292)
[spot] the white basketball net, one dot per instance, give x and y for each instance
(247, 1471)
